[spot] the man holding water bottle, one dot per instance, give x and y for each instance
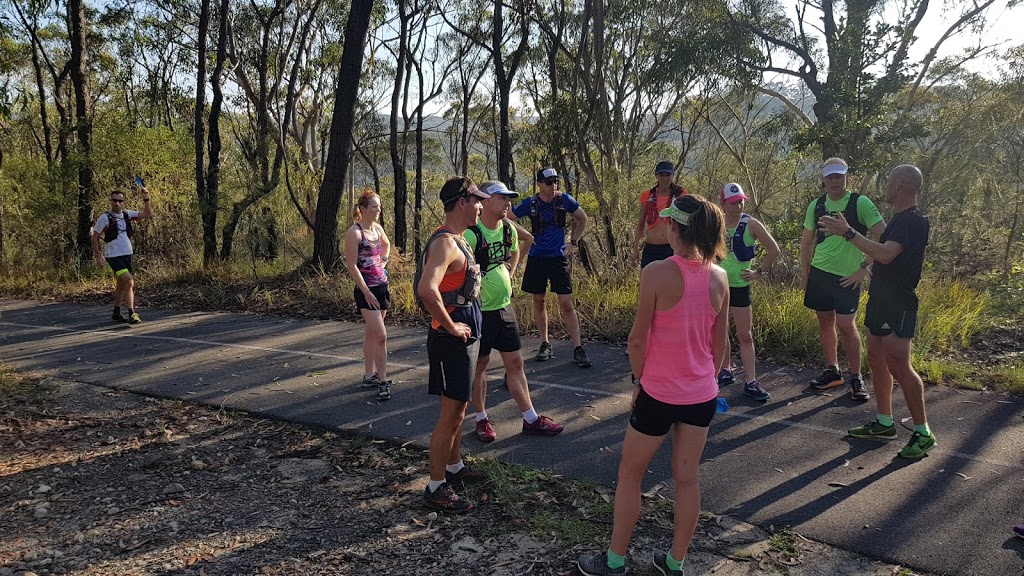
(115, 227)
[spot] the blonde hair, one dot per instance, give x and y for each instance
(364, 201)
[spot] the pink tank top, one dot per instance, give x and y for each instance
(679, 367)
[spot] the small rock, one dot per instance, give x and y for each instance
(198, 465)
(30, 556)
(174, 488)
(43, 489)
(41, 511)
(112, 511)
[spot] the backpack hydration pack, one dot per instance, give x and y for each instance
(461, 297)
(482, 253)
(111, 231)
(536, 224)
(738, 247)
(651, 209)
(850, 213)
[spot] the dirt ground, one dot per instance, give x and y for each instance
(102, 482)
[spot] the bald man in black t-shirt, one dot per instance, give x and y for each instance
(891, 316)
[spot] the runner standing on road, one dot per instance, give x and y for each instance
(651, 229)
(450, 291)
(495, 244)
(675, 347)
(832, 270)
(891, 315)
(115, 227)
(367, 249)
(549, 259)
(742, 232)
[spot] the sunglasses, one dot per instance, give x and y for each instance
(550, 182)
(117, 200)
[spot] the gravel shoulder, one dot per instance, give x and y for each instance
(95, 481)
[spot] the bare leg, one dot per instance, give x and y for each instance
(637, 451)
(516, 378)
(540, 316)
(444, 440)
(881, 378)
(828, 338)
(851, 340)
(479, 394)
(127, 289)
(375, 344)
(744, 334)
(687, 447)
(570, 318)
(897, 356)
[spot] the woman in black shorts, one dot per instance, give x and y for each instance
(366, 253)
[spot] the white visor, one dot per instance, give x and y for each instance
(833, 169)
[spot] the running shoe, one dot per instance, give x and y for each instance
(116, 317)
(542, 426)
(384, 391)
(597, 565)
(544, 353)
(579, 355)
(661, 563)
(134, 318)
(874, 429)
(371, 381)
(830, 378)
(445, 499)
(1019, 530)
(485, 431)
(725, 377)
(465, 477)
(858, 391)
(753, 389)
(918, 446)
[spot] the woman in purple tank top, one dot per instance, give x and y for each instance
(675, 352)
(366, 253)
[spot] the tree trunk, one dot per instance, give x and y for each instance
(86, 183)
(200, 128)
(208, 204)
(326, 251)
(398, 158)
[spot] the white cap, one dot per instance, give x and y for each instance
(732, 193)
(833, 169)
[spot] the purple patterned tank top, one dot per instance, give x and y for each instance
(369, 262)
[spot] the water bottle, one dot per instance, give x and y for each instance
(722, 406)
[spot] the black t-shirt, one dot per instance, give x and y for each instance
(896, 281)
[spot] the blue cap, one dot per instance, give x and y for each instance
(665, 167)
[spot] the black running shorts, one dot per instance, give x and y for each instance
(500, 332)
(655, 418)
(739, 297)
(120, 264)
(883, 319)
(655, 252)
(382, 293)
(824, 293)
(539, 271)
(452, 365)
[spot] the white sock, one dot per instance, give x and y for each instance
(433, 485)
(455, 468)
(481, 416)
(530, 416)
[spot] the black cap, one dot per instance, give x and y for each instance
(458, 187)
(665, 167)
(547, 175)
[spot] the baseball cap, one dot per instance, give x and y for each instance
(833, 169)
(547, 174)
(458, 187)
(665, 167)
(492, 187)
(675, 213)
(732, 193)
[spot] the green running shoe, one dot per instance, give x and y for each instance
(918, 446)
(874, 429)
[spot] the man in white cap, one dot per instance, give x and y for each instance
(832, 270)
(548, 260)
(495, 244)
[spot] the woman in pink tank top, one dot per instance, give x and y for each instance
(675, 352)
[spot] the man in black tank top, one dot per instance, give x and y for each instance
(452, 342)
(891, 316)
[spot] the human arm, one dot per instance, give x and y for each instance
(96, 254)
(578, 230)
(351, 259)
(441, 253)
(720, 329)
(884, 253)
(385, 245)
(771, 248)
(806, 255)
(527, 242)
(147, 207)
(636, 344)
(638, 233)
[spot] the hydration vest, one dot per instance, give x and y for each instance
(111, 231)
(461, 297)
(850, 213)
(738, 247)
(651, 209)
(535, 220)
(482, 254)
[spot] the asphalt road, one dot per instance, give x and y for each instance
(784, 463)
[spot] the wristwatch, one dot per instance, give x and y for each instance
(759, 271)
(849, 234)
(636, 381)
(864, 264)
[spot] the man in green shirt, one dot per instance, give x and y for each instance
(832, 270)
(495, 244)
